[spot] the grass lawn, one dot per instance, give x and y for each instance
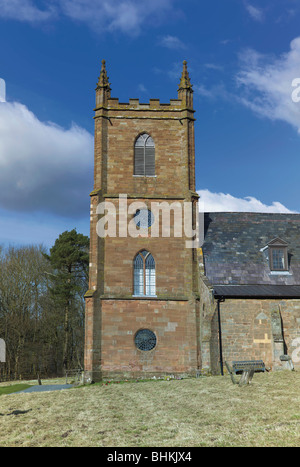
(208, 411)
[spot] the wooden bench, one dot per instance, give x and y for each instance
(240, 366)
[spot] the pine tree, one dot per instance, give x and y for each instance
(69, 258)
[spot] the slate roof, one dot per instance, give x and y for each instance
(232, 250)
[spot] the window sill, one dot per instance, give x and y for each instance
(280, 273)
(163, 298)
(145, 176)
(144, 296)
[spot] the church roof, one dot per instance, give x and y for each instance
(235, 251)
(257, 291)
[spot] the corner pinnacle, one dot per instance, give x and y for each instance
(103, 81)
(185, 82)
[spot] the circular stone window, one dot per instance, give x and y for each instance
(143, 218)
(145, 340)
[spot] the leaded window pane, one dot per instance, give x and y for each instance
(143, 218)
(278, 259)
(140, 142)
(139, 161)
(144, 156)
(150, 161)
(144, 274)
(150, 142)
(138, 275)
(150, 275)
(145, 340)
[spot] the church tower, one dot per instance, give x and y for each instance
(142, 316)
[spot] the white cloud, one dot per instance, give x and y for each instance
(204, 91)
(25, 10)
(225, 41)
(266, 84)
(255, 13)
(174, 71)
(221, 202)
(213, 66)
(216, 91)
(172, 42)
(127, 16)
(43, 167)
(142, 88)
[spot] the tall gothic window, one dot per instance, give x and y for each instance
(144, 274)
(144, 156)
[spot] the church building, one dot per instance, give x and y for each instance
(158, 304)
(250, 289)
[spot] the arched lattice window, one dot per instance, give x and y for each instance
(144, 274)
(144, 156)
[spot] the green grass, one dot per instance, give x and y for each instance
(207, 411)
(13, 388)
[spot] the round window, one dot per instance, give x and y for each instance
(145, 340)
(143, 218)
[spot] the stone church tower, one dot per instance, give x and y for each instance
(142, 316)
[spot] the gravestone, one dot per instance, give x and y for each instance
(287, 362)
(2, 351)
(278, 340)
(247, 376)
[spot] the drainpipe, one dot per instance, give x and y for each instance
(220, 300)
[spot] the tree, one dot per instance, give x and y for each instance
(69, 258)
(22, 289)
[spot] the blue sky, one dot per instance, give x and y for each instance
(243, 57)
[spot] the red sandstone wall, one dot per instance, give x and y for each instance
(173, 324)
(111, 323)
(247, 329)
